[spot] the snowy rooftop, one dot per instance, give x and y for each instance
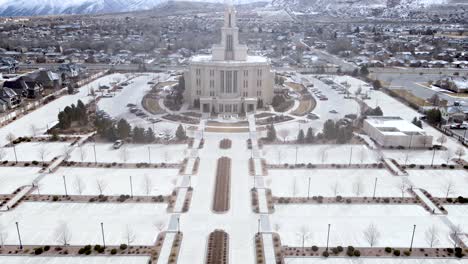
(393, 125)
(209, 58)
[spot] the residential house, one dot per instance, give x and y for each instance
(8, 98)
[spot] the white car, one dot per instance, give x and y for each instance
(117, 144)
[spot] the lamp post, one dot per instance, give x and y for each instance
(328, 236)
(433, 155)
(412, 238)
(19, 235)
(103, 239)
(131, 187)
(350, 156)
(95, 157)
(65, 185)
(149, 154)
(258, 226)
(375, 187)
(308, 190)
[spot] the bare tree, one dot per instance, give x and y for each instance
(10, 138)
(455, 231)
(65, 153)
(284, 133)
(278, 156)
(449, 187)
(159, 225)
(2, 153)
(101, 186)
(402, 186)
(448, 155)
(82, 154)
(358, 187)
(432, 236)
(362, 155)
(33, 130)
(63, 234)
(304, 235)
(124, 154)
(129, 235)
(42, 152)
(335, 187)
(442, 139)
(167, 156)
(372, 235)
(460, 152)
(79, 185)
(3, 235)
(147, 185)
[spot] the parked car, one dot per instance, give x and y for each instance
(333, 112)
(117, 144)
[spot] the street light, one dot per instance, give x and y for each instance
(375, 187)
(258, 225)
(328, 237)
(19, 235)
(412, 238)
(131, 187)
(308, 190)
(103, 239)
(95, 158)
(65, 185)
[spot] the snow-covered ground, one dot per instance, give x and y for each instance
(11, 178)
(319, 154)
(47, 115)
(40, 222)
(458, 214)
(73, 260)
(332, 182)
(419, 156)
(372, 261)
(36, 151)
(130, 153)
(438, 182)
(114, 181)
(348, 222)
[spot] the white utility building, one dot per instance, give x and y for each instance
(393, 131)
(229, 80)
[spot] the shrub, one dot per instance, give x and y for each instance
(357, 253)
(81, 251)
(38, 251)
(325, 254)
(407, 253)
(450, 250)
(314, 248)
(123, 246)
(55, 198)
(97, 247)
(46, 248)
(450, 200)
(114, 251)
(388, 249)
(340, 248)
(335, 251)
(396, 252)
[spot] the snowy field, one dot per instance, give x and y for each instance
(419, 157)
(40, 222)
(437, 182)
(36, 151)
(130, 153)
(11, 178)
(372, 261)
(318, 154)
(87, 181)
(333, 182)
(458, 214)
(73, 260)
(47, 115)
(348, 222)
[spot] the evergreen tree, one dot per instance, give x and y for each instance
(329, 130)
(271, 133)
(124, 129)
(341, 137)
(138, 135)
(310, 137)
(180, 133)
(364, 71)
(300, 137)
(150, 136)
(434, 116)
(378, 111)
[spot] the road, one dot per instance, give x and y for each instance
(399, 78)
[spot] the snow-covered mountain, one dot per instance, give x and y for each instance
(56, 7)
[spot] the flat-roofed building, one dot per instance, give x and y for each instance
(393, 131)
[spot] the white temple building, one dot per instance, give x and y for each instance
(229, 80)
